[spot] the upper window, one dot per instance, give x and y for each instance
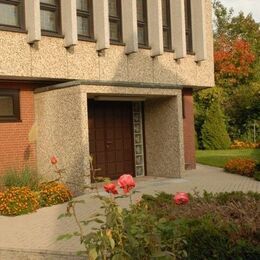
(9, 105)
(166, 15)
(85, 19)
(142, 25)
(188, 24)
(50, 17)
(115, 21)
(12, 14)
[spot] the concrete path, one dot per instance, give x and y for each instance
(37, 232)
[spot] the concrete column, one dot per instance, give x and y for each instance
(69, 22)
(62, 126)
(155, 27)
(178, 28)
(101, 24)
(129, 16)
(33, 20)
(199, 29)
(164, 136)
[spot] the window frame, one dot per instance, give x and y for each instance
(89, 15)
(15, 94)
(57, 10)
(144, 24)
(21, 27)
(117, 19)
(167, 27)
(188, 27)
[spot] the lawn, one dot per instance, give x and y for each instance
(218, 158)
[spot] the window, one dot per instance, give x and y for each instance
(142, 23)
(166, 17)
(85, 19)
(115, 21)
(188, 25)
(12, 15)
(50, 17)
(9, 105)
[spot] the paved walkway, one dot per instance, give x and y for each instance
(38, 231)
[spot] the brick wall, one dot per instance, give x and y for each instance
(15, 150)
(189, 132)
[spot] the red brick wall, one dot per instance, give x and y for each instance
(15, 150)
(189, 132)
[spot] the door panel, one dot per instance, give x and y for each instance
(111, 137)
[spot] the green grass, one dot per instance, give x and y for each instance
(219, 158)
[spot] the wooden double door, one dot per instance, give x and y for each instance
(111, 137)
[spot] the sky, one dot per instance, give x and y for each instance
(246, 6)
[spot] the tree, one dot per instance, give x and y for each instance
(214, 132)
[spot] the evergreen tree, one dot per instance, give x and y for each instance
(214, 132)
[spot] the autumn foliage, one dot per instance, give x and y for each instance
(233, 58)
(244, 167)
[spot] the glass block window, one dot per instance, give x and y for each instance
(138, 139)
(166, 14)
(188, 24)
(50, 17)
(9, 105)
(142, 25)
(115, 21)
(12, 14)
(85, 19)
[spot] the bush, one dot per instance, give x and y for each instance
(244, 145)
(214, 132)
(17, 201)
(53, 193)
(257, 175)
(24, 178)
(244, 167)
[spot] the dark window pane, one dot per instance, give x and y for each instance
(113, 8)
(83, 25)
(140, 10)
(82, 5)
(9, 14)
(50, 2)
(6, 106)
(114, 31)
(166, 39)
(48, 21)
(141, 35)
(164, 12)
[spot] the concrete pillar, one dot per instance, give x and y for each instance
(155, 27)
(33, 20)
(178, 28)
(101, 24)
(199, 29)
(69, 22)
(62, 130)
(129, 16)
(164, 137)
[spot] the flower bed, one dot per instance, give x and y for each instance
(244, 145)
(239, 166)
(16, 199)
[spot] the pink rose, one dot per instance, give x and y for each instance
(181, 198)
(126, 182)
(110, 188)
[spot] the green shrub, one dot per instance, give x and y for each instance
(257, 175)
(17, 201)
(52, 193)
(214, 132)
(24, 178)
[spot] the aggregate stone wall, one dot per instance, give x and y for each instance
(50, 59)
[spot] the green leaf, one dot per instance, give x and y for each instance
(92, 254)
(112, 242)
(65, 237)
(65, 215)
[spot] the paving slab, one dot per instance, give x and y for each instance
(37, 232)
